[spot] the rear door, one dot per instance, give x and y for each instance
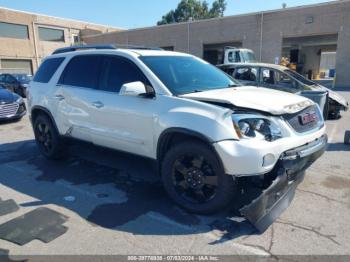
(77, 94)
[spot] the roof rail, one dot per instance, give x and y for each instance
(139, 47)
(82, 47)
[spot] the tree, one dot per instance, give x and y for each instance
(188, 10)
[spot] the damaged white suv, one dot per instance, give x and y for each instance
(205, 131)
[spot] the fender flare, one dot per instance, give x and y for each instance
(45, 111)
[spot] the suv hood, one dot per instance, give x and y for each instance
(261, 99)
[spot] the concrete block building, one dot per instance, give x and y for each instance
(26, 38)
(307, 35)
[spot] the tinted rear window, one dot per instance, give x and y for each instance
(82, 71)
(47, 69)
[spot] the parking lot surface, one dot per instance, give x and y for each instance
(106, 202)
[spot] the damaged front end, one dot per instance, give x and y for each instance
(272, 193)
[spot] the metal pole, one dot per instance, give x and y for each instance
(188, 36)
(261, 34)
(35, 46)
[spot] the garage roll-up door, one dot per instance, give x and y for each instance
(16, 66)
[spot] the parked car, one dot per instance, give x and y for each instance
(17, 83)
(205, 131)
(12, 105)
(284, 79)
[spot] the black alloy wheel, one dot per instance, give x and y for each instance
(47, 138)
(44, 137)
(195, 179)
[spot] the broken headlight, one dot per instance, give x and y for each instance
(256, 126)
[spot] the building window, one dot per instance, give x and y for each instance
(75, 39)
(50, 34)
(13, 31)
(16, 66)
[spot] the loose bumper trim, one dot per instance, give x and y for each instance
(288, 173)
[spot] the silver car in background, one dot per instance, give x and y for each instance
(284, 79)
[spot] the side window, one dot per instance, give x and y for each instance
(230, 71)
(283, 78)
(237, 57)
(247, 74)
(82, 71)
(10, 79)
(279, 80)
(268, 76)
(47, 69)
(234, 57)
(119, 71)
(5, 78)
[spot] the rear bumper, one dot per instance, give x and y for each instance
(286, 176)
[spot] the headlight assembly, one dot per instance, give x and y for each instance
(256, 126)
(19, 100)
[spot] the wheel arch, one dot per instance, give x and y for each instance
(37, 110)
(171, 136)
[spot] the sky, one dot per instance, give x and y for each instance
(133, 13)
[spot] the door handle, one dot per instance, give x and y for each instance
(59, 97)
(98, 104)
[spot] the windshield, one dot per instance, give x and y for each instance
(186, 74)
(299, 77)
(23, 79)
(248, 56)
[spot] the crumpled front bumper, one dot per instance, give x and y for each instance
(283, 181)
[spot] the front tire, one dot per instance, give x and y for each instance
(195, 179)
(47, 138)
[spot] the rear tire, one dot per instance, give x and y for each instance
(195, 179)
(47, 138)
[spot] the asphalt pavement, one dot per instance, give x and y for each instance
(107, 202)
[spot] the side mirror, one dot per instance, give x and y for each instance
(136, 89)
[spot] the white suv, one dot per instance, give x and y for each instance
(204, 130)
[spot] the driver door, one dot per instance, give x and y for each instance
(122, 122)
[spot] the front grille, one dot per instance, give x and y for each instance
(8, 110)
(295, 122)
